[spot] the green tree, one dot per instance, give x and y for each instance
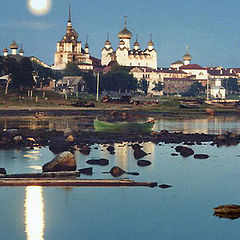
(26, 74)
(195, 90)
(90, 82)
(231, 85)
(118, 81)
(72, 70)
(43, 74)
(158, 86)
(143, 85)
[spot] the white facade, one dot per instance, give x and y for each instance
(126, 56)
(69, 49)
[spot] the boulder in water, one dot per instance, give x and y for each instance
(62, 162)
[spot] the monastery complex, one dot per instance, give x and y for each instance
(143, 62)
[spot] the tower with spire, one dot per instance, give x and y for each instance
(126, 56)
(69, 49)
(187, 57)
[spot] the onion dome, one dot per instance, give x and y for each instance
(107, 42)
(121, 42)
(21, 51)
(187, 57)
(151, 43)
(5, 49)
(125, 33)
(86, 45)
(136, 44)
(13, 45)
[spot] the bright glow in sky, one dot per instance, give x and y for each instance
(210, 28)
(39, 7)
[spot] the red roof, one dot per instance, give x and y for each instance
(192, 66)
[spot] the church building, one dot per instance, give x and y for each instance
(69, 49)
(125, 56)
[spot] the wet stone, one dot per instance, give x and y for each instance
(100, 162)
(201, 156)
(143, 163)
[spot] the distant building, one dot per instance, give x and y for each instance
(125, 56)
(70, 85)
(69, 50)
(200, 73)
(154, 76)
(186, 59)
(14, 47)
(217, 90)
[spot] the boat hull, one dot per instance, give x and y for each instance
(103, 126)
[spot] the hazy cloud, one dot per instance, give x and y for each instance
(28, 25)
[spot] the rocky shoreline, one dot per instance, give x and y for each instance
(59, 141)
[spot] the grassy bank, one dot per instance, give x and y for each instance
(161, 105)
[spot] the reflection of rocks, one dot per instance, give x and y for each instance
(101, 162)
(231, 211)
(138, 152)
(143, 163)
(63, 162)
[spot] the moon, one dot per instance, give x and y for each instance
(39, 7)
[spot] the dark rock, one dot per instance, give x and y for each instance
(86, 171)
(3, 171)
(201, 156)
(164, 186)
(117, 171)
(164, 132)
(112, 153)
(58, 146)
(143, 163)
(85, 150)
(63, 162)
(179, 148)
(184, 151)
(110, 149)
(174, 154)
(136, 146)
(139, 153)
(101, 162)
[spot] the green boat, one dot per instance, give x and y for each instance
(103, 126)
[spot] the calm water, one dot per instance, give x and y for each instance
(181, 212)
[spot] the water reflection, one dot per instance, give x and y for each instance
(208, 124)
(34, 213)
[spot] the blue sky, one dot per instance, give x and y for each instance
(209, 27)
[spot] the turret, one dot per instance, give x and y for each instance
(21, 52)
(150, 44)
(5, 52)
(14, 47)
(187, 58)
(125, 34)
(136, 44)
